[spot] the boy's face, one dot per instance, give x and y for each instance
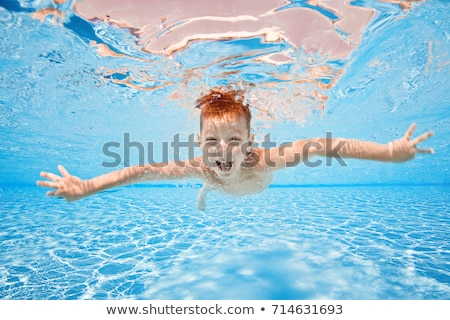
(225, 145)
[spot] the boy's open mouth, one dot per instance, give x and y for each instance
(224, 166)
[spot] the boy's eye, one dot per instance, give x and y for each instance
(212, 143)
(235, 139)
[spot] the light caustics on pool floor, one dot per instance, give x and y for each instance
(354, 243)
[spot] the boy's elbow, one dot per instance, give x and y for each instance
(314, 147)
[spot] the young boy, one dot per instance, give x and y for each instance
(229, 162)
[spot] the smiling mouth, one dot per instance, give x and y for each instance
(224, 166)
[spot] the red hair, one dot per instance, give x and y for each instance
(225, 105)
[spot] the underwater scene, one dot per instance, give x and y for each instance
(98, 86)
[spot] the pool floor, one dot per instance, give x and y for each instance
(286, 243)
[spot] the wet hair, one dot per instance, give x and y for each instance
(224, 104)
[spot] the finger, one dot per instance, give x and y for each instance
(63, 171)
(54, 194)
(47, 184)
(427, 150)
(410, 131)
(423, 137)
(50, 176)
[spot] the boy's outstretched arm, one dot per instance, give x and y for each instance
(400, 150)
(73, 188)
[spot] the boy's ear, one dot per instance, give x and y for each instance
(251, 137)
(199, 138)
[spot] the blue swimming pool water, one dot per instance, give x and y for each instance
(302, 243)
(361, 231)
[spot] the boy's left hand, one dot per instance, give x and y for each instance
(405, 149)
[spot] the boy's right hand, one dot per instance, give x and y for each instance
(67, 186)
(405, 148)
